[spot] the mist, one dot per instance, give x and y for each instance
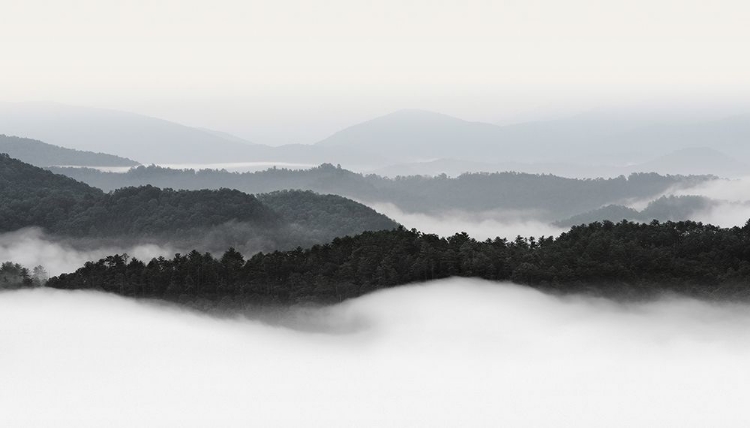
(479, 225)
(32, 247)
(450, 353)
(730, 201)
(726, 189)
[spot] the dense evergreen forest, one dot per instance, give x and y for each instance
(38, 153)
(34, 197)
(548, 197)
(14, 276)
(623, 260)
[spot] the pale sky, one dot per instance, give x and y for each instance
(293, 71)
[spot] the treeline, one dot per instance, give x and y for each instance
(31, 196)
(14, 276)
(627, 260)
(666, 208)
(549, 197)
(208, 219)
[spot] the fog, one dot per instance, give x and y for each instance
(32, 247)
(229, 166)
(726, 189)
(731, 197)
(449, 353)
(480, 225)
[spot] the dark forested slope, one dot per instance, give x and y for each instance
(629, 260)
(316, 214)
(31, 196)
(547, 196)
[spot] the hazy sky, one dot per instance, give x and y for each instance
(293, 71)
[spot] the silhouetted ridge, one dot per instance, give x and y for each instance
(31, 196)
(549, 197)
(625, 260)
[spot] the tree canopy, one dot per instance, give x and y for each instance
(625, 260)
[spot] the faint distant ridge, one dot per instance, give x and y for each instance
(42, 154)
(696, 160)
(688, 161)
(611, 138)
(416, 133)
(130, 135)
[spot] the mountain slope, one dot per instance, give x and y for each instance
(695, 160)
(545, 197)
(316, 213)
(134, 136)
(417, 134)
(42, 154)
(609, 137)
(621, 260)
(207, 219)
(666, 208)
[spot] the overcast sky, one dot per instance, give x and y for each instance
(293, 71)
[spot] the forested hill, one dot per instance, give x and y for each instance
(549, 197)
(38, 153)
(624, 260)
(31, 196)
(20, 178)
(319, 214)
(666, 208)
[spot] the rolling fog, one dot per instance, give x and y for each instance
(32, 247)
(731, 201)
(449, 353)
(480, 226)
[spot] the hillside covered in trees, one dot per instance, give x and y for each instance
(548, 197)
(666, 208)
(33, 197)
(38, 153)
(623, 260)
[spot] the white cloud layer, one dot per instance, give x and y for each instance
(451, 353)
(481, 226)
(30, 247)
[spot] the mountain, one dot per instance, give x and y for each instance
(728, 134)
(688, 161)
(621, 260)
(666, 208)
(316, 214)
(151, 140)
(539, 196)
(207, 219)
(696, 160)
(42, 154)
(598, 139)
(144, 138)
(417, 135)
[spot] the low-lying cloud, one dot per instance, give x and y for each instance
(32, 247)
(450, 353)
(481, 226)
(724, 189)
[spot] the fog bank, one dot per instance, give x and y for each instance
(481, 226)
(450, 353)
(31, 247)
